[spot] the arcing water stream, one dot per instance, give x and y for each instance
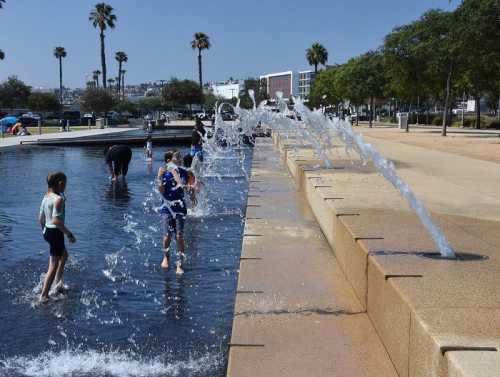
(319, 131)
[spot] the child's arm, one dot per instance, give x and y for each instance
(41, 219)
(159, 182)
(58, 209)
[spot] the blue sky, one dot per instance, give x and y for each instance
(248, 38)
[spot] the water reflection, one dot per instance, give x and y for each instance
(175, 300)
(118, 193)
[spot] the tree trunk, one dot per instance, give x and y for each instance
(478, 112)
(447, 101)
(200, 74)
(418, 110)
(371, 112)
(60, 82)
(118, 87)
(103, 60)
(315, 69)
(123, 85)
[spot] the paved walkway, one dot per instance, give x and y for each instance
(295, 313)
(16, 140)
(457, 175)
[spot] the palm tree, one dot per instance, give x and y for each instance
(102, 17)
(315, 55)
(95, 76)
(121, 58)
(122, 86)
(201, 42)
(2, 54)
(110, 83)
(60, 53)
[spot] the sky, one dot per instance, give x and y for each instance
(249, 38)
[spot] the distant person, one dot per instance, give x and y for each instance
(51, 218)
(197, 138)
(172, 181)
(117, 159)
(23, 131)
(148, 149)
(15, 128)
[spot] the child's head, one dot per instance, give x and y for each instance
(168, 156)
(177, 158)
(187, 161)
(149, 138)
(56, 181)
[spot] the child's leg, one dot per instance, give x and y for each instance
(167, 239)
(60, 267)
(49, 277)
(180, 242)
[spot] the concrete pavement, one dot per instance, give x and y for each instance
(295, 312)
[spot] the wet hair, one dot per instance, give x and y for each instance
(106, 149)
(187, 161)
(54, 178)
(177, 156)
(168, 156)
(149, 138)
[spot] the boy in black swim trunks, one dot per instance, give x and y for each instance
(51, 218)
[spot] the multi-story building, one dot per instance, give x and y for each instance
(290, 83)
(306, 79)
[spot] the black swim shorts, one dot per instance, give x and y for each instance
(55, 239)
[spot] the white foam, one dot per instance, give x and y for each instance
(75, 362)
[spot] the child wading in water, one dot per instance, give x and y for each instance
(172, 180)
(51, 218)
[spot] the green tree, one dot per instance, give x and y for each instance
(44, 102)
(325, 90)
(438, 47)
(95, 76)
(182, 93)
(405, 69)
(316, 54)
(60, 53)
(102, 17)
(260, 92)
(1, 5)
(149, 104)
(97, 100)
(479, 47)
(121, 57)
(14, 93)
(201, 42)
(210, 99)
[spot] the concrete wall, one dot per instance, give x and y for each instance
(435, 318)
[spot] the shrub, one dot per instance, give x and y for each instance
(494, 125)
(437, 120)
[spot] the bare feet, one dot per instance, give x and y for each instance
(179, 270)
(164, 262)
(43, 300)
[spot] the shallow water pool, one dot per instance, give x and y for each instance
(123, 315)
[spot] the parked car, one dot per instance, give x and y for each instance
(28, 121)
(74, 117)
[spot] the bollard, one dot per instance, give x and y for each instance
(67, 125)
(89, 123)
(39, 126)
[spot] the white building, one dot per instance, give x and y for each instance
(227, 89)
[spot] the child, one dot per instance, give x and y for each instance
(172, 180)
(148, 149)
(51, 218)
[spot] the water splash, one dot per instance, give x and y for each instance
(113, 363)
(318, 131)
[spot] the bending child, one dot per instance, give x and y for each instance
(51, 218)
